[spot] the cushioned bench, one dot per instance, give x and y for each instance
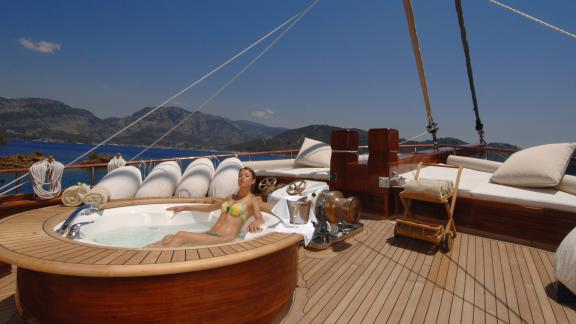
(476, 184)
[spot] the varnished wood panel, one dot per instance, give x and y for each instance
(222, 295)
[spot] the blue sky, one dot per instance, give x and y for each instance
(347, 63)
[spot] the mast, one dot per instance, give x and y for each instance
(432, 127)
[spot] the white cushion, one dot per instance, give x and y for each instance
(313, 154)
(196, 179)
(473, 163)
(539, 166)
(161, 182)
(534, 197)
(568, 184)
(297, 173)
(270, 164)
(225, 181)
(468, 179)
(122, 183)
(565, 261)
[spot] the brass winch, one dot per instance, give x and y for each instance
(337, 218)
(337, 208)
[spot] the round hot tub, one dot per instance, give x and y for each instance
(68, 281)
(140, 225)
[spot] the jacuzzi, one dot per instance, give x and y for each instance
(140, 225)
(60, 280)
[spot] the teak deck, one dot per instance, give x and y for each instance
(376, 278)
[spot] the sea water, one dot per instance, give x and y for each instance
(66, 152)
(139, 236)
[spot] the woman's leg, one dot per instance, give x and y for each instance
(182, 237)
(167, 239)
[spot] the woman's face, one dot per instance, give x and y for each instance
(245, 178)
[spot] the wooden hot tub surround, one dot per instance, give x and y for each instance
(66, 281)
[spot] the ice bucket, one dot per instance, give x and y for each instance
(299, 211)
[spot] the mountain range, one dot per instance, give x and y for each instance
(51, 120)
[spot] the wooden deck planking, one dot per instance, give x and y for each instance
(549, 281)
(378, 279)
(546, 283)
(371, 304)
(352, 292)
(392, 312)
(327, 286)
(523, 287)
(192, 254)
(424, 301)
(360, 304)
(345, 282)
(448, 291)
(511, 299)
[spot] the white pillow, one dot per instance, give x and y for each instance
(568, 184)
(225, 181)
(538, 166)
(313, 154)
(473, 163)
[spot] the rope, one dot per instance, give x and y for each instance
(518, 12)
(221, 89)
(174, 96)
(116, 162)
(464, 38)
(46, 173)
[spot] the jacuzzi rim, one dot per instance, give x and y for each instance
(123, 270)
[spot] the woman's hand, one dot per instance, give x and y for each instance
(177, 208)
(255, 226)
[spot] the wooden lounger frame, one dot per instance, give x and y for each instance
(421, 229)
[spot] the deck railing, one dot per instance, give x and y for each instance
(92, 167)
(412, 148)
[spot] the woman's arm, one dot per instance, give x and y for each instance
(202, 208)
(259, 220)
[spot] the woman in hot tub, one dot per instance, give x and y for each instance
(236, 209)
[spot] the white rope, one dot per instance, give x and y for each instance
(173, 97)
(221, 89)
(560, 30)
(116, 162)
(46, 173)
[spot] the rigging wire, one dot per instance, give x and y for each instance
(169, 99)
(464, 38)
(518, 12)
(415, 137)
(221, 89)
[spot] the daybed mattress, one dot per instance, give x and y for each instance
(476, 184)
(468, 180)
(306, 173)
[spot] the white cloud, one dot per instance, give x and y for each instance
(40, 47)
(262, 114)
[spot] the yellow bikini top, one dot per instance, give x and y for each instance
(235, 210)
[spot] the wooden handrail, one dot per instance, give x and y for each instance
(104, 164)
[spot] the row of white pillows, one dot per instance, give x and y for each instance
(166, 180)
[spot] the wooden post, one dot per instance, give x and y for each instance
(5, 269)
(17, 182)
(383, 150)
(344, 145)
(92, 175)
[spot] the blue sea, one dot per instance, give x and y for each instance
(66, 152)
